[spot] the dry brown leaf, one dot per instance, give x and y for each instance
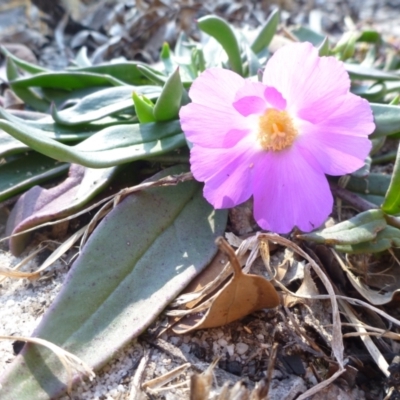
(242, 295)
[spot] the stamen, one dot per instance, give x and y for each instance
(276, 130)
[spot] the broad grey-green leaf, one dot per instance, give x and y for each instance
(387, 238)
(387, 119)
(305, 34)
(103, 103)
(376, 184)
(361, 228)
(364, 171)
(357, 71)
(27, 171)
(373, 92)
(53, 130)
(9, 145)
(111, 146)
(134, 264)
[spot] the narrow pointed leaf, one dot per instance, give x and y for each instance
(144, 108)
(168, 104)
(391, 205)
(361, 228)
(28, 95)
(66, 80)
(166, 58)
(134, 264)
(323, 48)
(223, 33)
(266, 33)
(25, 66)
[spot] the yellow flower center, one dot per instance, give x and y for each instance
(276, 130)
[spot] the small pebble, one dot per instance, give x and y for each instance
(222, 342)
(241, 348)
(230, 349)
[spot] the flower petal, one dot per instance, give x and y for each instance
(340, 143)
(353, 117)
(311, 85)
(250, 105)
(290, 191)
(337, 154)
(210, 120)
(227, 174)
(274, 98)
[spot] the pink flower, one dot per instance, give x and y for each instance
(277, 139)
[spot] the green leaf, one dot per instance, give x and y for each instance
(166, 58)
(135, 263)
(127, 71)
(25, 66)
(370, 36)
(66, 80)
(144, 108)
(387, 119)
(364, 171)
(372, 198)
(51, 129)
(168, 104)
(360, 72)
(10, 145)
(24, 172)
(29, 96)
(223, 33)
(361, 228)
(372, 92)
(101, 104)
(375, 183)
(152, 75)
(391, 205)
(253, 64)
(267, 32)
(346, 46)
(307, 35)
(111, 146)
(386, 239)
(323, 48)
(198, 62)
